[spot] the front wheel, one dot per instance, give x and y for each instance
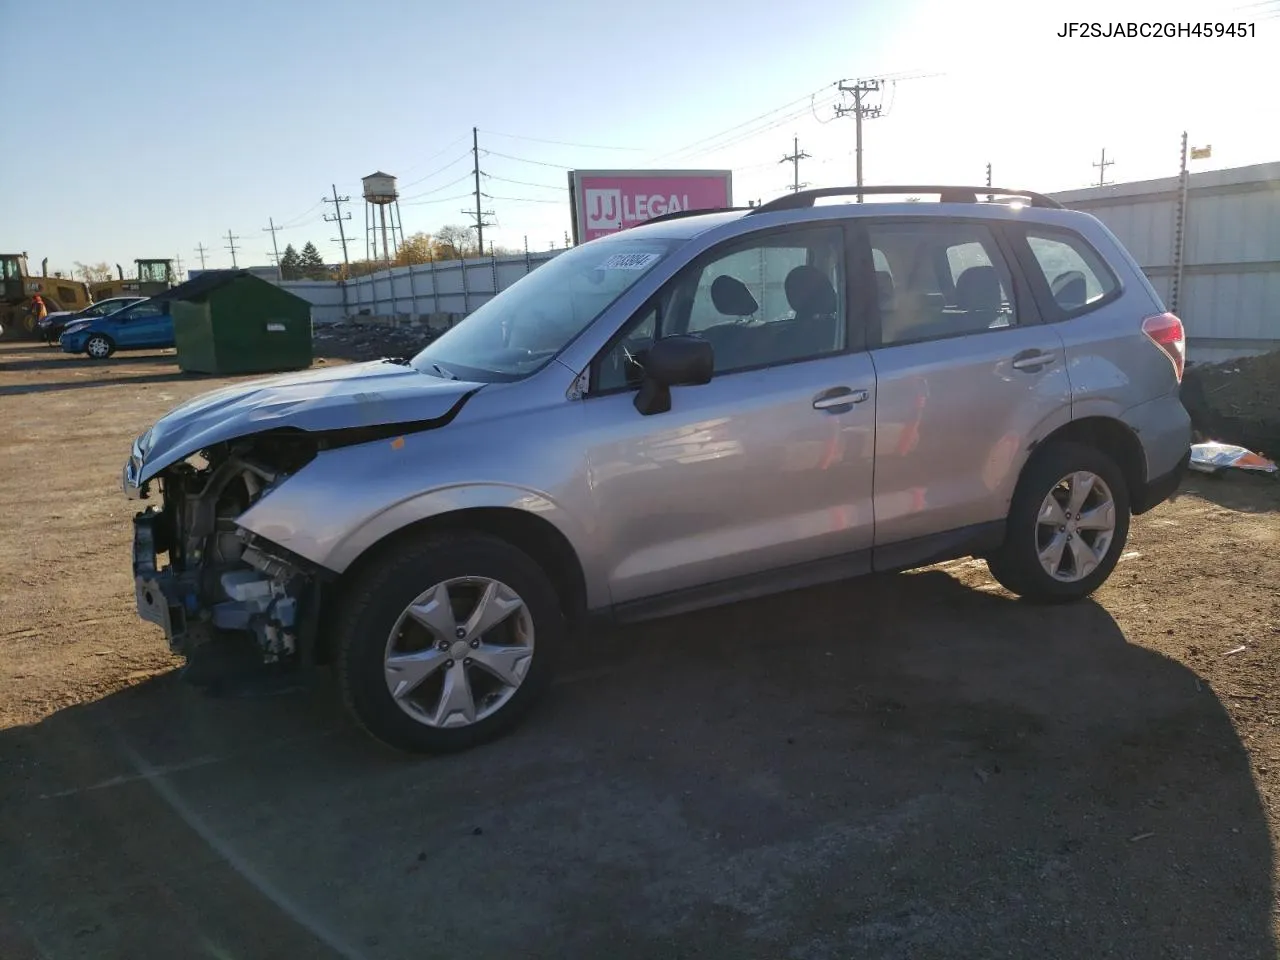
(1067, 525)
(446, 643)
(99, 347)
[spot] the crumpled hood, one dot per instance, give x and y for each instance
(335, 398)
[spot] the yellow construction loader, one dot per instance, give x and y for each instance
(152, 277)
(18, 286)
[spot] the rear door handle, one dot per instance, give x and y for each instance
(1032, 360)
(839, 397)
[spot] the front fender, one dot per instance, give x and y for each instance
(291, 520)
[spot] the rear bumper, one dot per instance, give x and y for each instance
(1160, 489)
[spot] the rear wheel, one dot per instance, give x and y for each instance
(1067, 525)
(99, 346)
(447, 643)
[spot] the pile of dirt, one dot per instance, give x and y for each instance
(356, 341)
(1237, 401)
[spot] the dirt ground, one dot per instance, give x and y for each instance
(913, 766)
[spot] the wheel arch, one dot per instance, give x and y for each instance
(537, 537)
(1114, 438)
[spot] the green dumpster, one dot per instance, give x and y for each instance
(230, 321)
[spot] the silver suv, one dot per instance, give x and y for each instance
(701, 409)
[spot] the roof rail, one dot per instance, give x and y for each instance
(946, 194)
(680, 214)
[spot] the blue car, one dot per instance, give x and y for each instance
(142, 326)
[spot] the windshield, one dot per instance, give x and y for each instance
(519, 331)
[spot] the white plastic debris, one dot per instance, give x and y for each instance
(1214, 457)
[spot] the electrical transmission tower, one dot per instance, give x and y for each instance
(1102, 168)
(231, 245)
(796, 156)
(478, 213)
(338, 217)
(860, 111)
(200, 248)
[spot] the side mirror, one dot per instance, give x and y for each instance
(679, 361)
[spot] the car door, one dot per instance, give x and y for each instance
(766, 469)
(142, 325)
(967, 379)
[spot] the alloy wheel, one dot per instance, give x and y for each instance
(459, 652)
(1076, 526)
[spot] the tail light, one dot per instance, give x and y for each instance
(1165, 331)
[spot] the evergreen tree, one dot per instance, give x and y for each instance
(312, 263)
(290, 264)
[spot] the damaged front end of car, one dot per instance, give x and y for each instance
(197, 572)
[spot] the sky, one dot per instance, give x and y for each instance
(152, 127)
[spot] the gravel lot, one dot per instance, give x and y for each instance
(913, 766)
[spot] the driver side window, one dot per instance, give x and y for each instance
(774, 298)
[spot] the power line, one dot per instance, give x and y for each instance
(525, 183)
(439, 153)
(422, 203)
(439, 170)
(794, 159)
(522, 199)
(563, 143)
(737, 126)
(200, 248)
(231, 245)
(755, 131)
(338, 217)
(296, 221)
(433, 190)
(540, 163)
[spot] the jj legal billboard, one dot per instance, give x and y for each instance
(606, 201)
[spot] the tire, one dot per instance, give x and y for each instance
(99, 347)
(1018, 564)
(375, 607)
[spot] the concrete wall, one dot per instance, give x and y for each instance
(442, 287)
(1230, 297)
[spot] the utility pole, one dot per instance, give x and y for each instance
(178, 260)
(275, 250)
(1102, 167)
(796, 156)
(200, 248)
(338, 217)
(231, 245)
(859, 110)
(479, 213)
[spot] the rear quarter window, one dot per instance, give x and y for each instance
(1077, 276)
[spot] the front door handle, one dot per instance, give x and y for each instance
(1032, 360)
(839, 397)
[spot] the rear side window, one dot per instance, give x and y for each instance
(938, 278)
(1076, 274)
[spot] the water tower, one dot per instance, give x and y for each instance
(379, 195)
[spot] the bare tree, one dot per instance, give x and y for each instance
(93, 272)
(455, 241)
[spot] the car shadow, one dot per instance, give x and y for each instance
(895, 767)
(61, 361)
(61, 385)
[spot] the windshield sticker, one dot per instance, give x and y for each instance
(628, 261)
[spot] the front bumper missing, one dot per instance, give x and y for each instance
(156, 593)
